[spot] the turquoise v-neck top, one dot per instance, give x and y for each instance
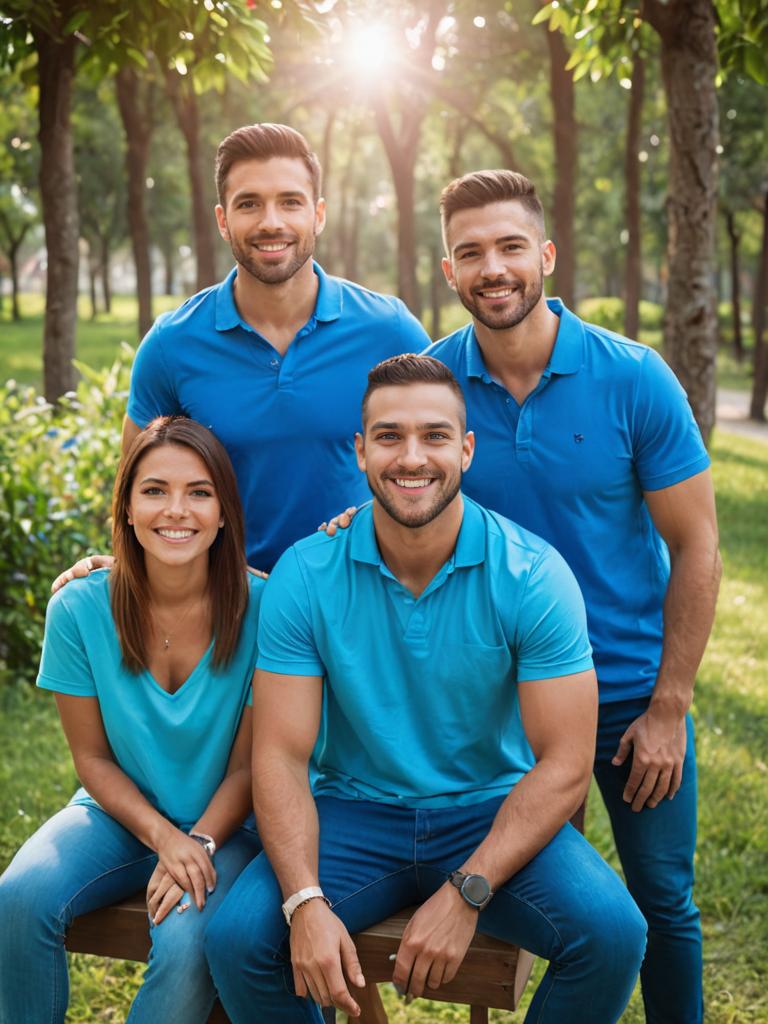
(173, 746)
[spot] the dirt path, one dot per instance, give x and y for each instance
(733, 413)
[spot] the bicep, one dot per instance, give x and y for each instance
(685, 512)
(286, 714)
(560, 715)
(240, 755)
(83, 727)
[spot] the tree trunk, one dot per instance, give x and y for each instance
(92, 276)
(734, 238)
(58, 192)
(760, 379)
(138, 131)
(106, 272)
(188, 116)
(633, 270)
(352, 247)
(437, 281)
(169, 267)
(689, 65)
(401, 152)
(564, 129)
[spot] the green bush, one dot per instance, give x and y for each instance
(608, 312)
(57, 467)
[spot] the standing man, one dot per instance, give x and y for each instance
(274, 358)
(458, 739)
(587, 439)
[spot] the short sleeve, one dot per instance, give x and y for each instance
(286, 641)
(64, 666)
(413, 337)
(551, 632)
(152, 393)
(667, 442)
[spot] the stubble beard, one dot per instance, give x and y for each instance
(272, 275)
(505, 319)
(419, 517)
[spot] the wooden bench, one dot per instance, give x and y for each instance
(493, 974)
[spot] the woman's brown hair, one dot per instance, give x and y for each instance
(227, 567)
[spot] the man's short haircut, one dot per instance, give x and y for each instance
(480, 188)
(262, 142)
(409, 368)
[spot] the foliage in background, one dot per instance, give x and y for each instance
(57, 467)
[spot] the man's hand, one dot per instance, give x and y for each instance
(658, 739)
(188, 864)
(322, 953)
(81, 569)
(343, 519)
(435, 942)
(163, 894)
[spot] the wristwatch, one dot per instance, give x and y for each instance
(474, 889)
(298, 899)
(207, 842)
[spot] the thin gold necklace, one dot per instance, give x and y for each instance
(169, 635)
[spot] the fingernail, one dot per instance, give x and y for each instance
(209, 891)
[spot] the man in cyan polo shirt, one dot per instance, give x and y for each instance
(458, 739)
(587, 439)
(274, 359)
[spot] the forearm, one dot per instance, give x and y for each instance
(228, 807)
(535, 810)
(286, 816)
(121, 798)
(689, 610)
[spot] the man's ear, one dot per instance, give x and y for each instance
(467, 450)
(447, 266)
(221, 220)
(319, 216)
(360, 452)
(548, 257)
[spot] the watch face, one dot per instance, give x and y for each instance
(475, 889)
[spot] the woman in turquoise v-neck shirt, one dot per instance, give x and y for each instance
(151, 664)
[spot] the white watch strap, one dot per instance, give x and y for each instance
(312, 892)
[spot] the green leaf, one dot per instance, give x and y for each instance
(137, 56)
(542, 15)
(76, 22)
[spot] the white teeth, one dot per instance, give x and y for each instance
(274, 247)
(413, 484)
(501, 293)
(176, 534)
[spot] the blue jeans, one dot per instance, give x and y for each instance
(656, 847)
(82, 859)
(566, 905)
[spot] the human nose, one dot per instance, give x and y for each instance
(176, 506)
(492, 265)
(271, 217)
(412, 455)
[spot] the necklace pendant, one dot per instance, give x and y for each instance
(167, 643)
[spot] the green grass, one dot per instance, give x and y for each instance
(731, 712)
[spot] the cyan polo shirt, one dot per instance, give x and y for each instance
(288, 421)
(607, 421)
(422, 698)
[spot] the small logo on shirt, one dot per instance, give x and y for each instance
(578, 438)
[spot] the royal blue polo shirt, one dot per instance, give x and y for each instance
(288, 421)
(421, 693)
(607, 421)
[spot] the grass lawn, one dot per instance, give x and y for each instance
(731, 712)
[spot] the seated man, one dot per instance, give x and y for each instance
(457, 741)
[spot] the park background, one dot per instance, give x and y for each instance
(643, 125)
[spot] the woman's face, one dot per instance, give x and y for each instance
(174, 508)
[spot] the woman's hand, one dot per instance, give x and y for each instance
(163, 894)
(188, 864)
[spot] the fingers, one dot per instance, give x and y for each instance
(350, 963)
(80, 569)
(622, 751)
(172, 896)
(258, 572)
(661, 789)
(340, 521)
(676, 780)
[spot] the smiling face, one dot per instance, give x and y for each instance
(497, 261)
(173, 507)
(414, 450)
(270, 217)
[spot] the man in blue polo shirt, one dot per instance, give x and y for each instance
(274, 359)
(457, 741)
(587, 439)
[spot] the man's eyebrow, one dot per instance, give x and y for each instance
(496, 241)
(249, 193)
(436, 425)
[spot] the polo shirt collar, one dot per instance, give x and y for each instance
(567, 355)
(327, 305)
(470, 544)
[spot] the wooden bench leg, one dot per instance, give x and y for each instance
(371, 1007)
(478, 1015)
